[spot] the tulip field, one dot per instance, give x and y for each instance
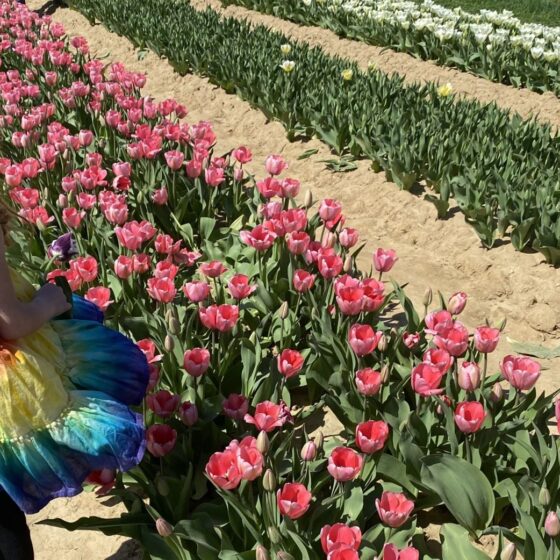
(244, 292)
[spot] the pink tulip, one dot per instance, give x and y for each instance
(348, 237)
(457, 303)
(196, 291)
(223, 470)
(363, 339)
(469, 376)
(242, 154)
(455, 340)
(222, 318)
(162, 289)
(371, 436)
(160, 196)
(188, 413)
(469, 416)
(552, 524)
(426, 380)
(303, 281)
(275, 164)
(384, 259)
(522, 373)
(486, 339)
(239, 287)
(235, 406)
(368, 381)
(438, 358)
(212, 269)
(438, 322)
(290, 363)
(196, 361)
(340, 535)
(163, 403)
(394, 509)
(391, 552)
(344, 464)
(330, 209)
(293, 500)
(160, 439)
(268, 416)
(100, 296)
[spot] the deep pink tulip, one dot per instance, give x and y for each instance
(196, 361)
(160, 439)
(293, 500)
(371, 436)
(344, 464)
(469, 416)
(394, 509)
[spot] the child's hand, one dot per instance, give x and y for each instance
(53, 299)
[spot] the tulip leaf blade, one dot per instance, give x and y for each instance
(462, 487)
(457, 545)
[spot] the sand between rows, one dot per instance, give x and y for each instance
(545, 108)
(444, 254)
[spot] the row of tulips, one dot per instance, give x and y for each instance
(254, 318)
(494, 45)
(501, 171)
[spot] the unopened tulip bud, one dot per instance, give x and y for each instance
(552, 524)
(347, 267)
(284, 310)
(140, 197)
(319, 440)
(497, 393)
(62, 201)
(509, 552)
(168, 314)
(308, 200)
(101, 143)
(469, 376)
(284, 556)
(427, 297)
(41, 226)
(164, 528)
(174, 326)
(544, 496)
(309, 451)
(384, 373)
(261, 553)
(263, 443)
(169, 343)
(269, 481)
(274, 535)
(162, 486)
(329, 240)
(383, 344)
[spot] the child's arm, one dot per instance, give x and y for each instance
(19, 319)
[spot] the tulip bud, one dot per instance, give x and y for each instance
(140, 197)
(41, 226)
(62, 201)
(384, 373)
(308, 200)
(552, 524)
(101, 143)
(284, 310)
(347, 267)
(309, 451)
(319, 441)
(427, 297)
(509, 552)
(497, 393)
(457, 303)
(168, 315)
(164, 528)
(263, 443)
(162, 486)
(169, 343)
(544, 496)
(329, 240)
(284, 556)
(269, 481)
(137, 506)
(469, 376)
(174, 326)
(274, 535)
(261, 553)
(383, 344)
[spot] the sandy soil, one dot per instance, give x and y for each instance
(444, 254)
(525, 102)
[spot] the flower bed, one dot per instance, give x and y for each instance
(247, 303)
(494, 45)
(501, 171)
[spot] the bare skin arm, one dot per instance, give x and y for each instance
(18, 319)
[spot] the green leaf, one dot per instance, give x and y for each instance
(457, 546)
(308, 153)
(462, 487)
(535, 350)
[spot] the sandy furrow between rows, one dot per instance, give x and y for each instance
(545, 107)
(443, 254)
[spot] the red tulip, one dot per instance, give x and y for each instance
(293, 500)
(162, 289)
(222, 318)
(522, 373)
(486, 339)
(196, 291)
(368, 381)
(223, 470)
(268, 416)
(163, 403)
(469, 416)
(303, 281)
(426, 379)
(371, 436)
(344, 464)
(275, 164)
(235, 406)
(104, 478)
(188, 413)
(384, 259)
(196, 361)
(239, 287)
(394, 509)
(212, 269)
(290, 363)
(340, 535)
(391, 552)
(363, 339)
(160, 439)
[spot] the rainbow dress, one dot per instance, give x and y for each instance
(65, 393)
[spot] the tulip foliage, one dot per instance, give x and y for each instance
(502, 171)
(256, 322)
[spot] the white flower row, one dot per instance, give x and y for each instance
(489, 28)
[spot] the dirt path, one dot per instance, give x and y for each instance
(523, 101)
(443, 254)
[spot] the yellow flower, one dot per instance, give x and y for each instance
(286, 49)
(347, 74)
(445, 90)
(288, 66)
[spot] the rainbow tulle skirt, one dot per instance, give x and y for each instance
(65, 393)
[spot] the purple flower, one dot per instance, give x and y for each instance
(63, 248)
